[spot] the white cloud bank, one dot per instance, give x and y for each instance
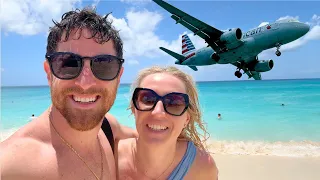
(30, 17)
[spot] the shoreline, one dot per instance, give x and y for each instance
(255, 148)
(279, 149)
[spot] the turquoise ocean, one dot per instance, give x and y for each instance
(253, 118)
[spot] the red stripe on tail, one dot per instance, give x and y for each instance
(190, 55)
(184, 51)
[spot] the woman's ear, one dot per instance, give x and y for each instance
(188, 120)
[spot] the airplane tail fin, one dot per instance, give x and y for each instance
(187, 45)
(179, 57)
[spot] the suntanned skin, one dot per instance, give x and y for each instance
(37, 152)
(203, 167)
(151, 155)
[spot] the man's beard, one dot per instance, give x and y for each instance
(83, 120)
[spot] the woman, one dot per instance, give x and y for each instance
(166, 109)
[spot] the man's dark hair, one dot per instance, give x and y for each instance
(87, 18)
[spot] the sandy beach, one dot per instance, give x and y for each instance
(265, 167)
(260, 167)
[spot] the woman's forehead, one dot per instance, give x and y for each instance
(163, 83)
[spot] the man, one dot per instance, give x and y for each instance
(83, 67)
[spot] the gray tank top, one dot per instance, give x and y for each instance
(183, 167)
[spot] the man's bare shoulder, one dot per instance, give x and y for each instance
(17, 153)
(205, 166)
(20, 150)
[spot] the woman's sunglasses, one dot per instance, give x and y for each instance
(67, 65)
(174, 103)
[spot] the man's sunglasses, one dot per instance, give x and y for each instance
(174, 103)
(67, 65)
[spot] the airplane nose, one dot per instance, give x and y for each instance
(304, 28)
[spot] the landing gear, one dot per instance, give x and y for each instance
(238, 74)
(278, 53)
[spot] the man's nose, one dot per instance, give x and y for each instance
(159, 109)
(86, 79)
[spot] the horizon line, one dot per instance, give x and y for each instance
(195, 81)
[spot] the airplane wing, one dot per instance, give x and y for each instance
(210, 34)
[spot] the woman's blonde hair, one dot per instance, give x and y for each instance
(190, 132)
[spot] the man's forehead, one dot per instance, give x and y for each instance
(81, 42)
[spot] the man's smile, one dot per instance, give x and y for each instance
(84, 102)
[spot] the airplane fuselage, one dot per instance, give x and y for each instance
(253, 42)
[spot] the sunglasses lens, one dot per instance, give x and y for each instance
(144, 100)
(65, 66)
(175, 104)
(106, 67)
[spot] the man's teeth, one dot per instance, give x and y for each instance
(85, 100)
(157, 127)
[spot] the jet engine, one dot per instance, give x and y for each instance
(232, 38)
(263, 65)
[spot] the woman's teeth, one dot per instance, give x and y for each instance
(157, 127)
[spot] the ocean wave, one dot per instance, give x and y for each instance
(289, 149)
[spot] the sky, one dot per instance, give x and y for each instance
(144, 27)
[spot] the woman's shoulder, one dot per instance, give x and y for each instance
(204, 166)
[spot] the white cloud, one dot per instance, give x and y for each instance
(137, 31)
(30, 17)
(288, 17)
(133, 62)
(263, 24)
(95, 3)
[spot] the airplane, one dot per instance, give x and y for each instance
(233, 46)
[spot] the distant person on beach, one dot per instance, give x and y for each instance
(83, 66)
(33, 117)
(167, 114)
(219, 116)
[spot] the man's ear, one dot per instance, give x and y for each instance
(121, 71)
(119, 76)
(48, 72)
